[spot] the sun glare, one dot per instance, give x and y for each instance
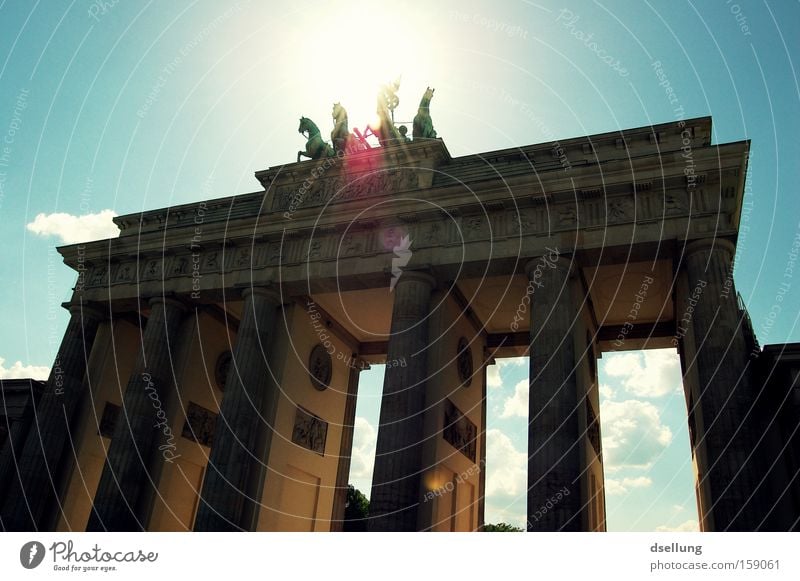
(360, 46)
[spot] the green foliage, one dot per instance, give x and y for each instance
(501, 528)
(356, 511)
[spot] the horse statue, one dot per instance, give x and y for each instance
(423, 125)
(316, 148)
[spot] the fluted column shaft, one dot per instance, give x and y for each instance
(726, 397)
(33, 486)
(554, 463)
(398, 457)
(121, 500)
(233, 461)
(345, 449)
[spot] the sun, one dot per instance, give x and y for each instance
(359, 46)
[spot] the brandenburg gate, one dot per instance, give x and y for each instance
(208, 376)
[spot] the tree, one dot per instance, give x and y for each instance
(356, 510)
(501, 528)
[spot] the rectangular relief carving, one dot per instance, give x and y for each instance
(199, 425)
(108, 420)
(309, 431)
(459, 431)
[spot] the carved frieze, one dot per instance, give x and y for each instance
(459, 431)
(125, 273)
(619, 210)
(108, 420)
(151, 269)
(474, 227)
(309, 431)
(180, 265)
(334, 242)
(325, 190)
(199, 425)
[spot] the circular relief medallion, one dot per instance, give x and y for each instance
(464, 362)
(221, 369)
(320, 367)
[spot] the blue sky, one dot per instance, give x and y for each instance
(117, 107)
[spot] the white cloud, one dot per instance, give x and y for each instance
(20, 371)
(493, 378)
(363, 457)
(606, 391)
(512, 361)
(73, 229)
(690, 525)
(621, 486)
(517, 404)
(651, 373)
(633, 435)
(507, 469)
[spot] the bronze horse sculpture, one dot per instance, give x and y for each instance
(316, 147)
(423, 124)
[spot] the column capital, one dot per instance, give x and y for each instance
(418, 276)
(85, 310)
(268, 292)
(167, 300)
(553, 259)
(714, 244)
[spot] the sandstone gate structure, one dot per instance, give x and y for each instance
(207, 379)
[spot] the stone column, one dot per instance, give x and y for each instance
(482, 436)
(122, 497)
(725, 396)
(346, 447)
(32, 489)
(396, 480)
(233, 461)
(554, 435)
